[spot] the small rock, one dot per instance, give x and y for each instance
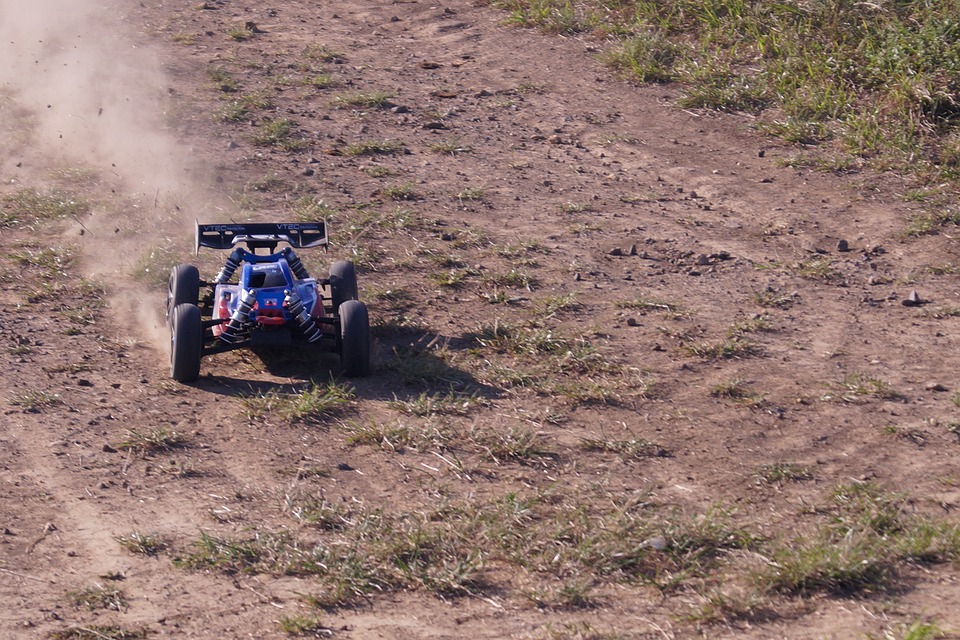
(308, 172)
(843, 245)
(656, 347)
(656, 542)
(343, 466)
(632, 322)
(633, 249)
(693, 272)
(913, 300)
(399, 109)
(106, 448)
(555, 139)
(577, 277)
(434, 125)
(232, 145)
(703, 260)
(616, 251)
(446, 236)
(83, 382)
(936, 386)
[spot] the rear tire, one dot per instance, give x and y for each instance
(343, 283)
(182, 287)
(354, 339)
(186, 342)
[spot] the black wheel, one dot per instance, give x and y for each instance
(186, 342)
(182, 287)
(343, 283)
(354, 338)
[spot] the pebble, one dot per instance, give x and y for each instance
(632, 322)
(843, 245)
(656, 542)
(936, 386)
(616, 251)
(913, 300)
(633, 249)
(399, 109)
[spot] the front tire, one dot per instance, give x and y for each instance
(343, 283)
(183, 287)
(354, 338)
(186, 342)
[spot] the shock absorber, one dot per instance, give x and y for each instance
(238, 328)
(233, 261)
(294, 305)
(293, 260)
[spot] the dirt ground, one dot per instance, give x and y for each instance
(692, 253)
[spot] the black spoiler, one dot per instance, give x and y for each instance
(262, 234)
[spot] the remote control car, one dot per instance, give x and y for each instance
(272, 303)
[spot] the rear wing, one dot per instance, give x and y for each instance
(262, 235)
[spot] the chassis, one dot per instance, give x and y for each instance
(273, 302)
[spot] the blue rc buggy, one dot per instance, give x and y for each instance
(273, 303)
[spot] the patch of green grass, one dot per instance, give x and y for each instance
(281, 133)
(244, 108)
(647, 56)
(36, 401)
(756, 324)
(240, 34)
(312, 209)
(100, 632)
(643, 303)
(867, 538)
(738, 391)
(305, 625)
(771, 297)
(471, 193)
(149, 544)
(373, 100)
(50, 261)
(30, 205)
(402, 191)
(854, 386)
(99, 596)
(633, 448)
(155, 265)
(734, 347)
(151, 442)
(434, 403)
(312, 404)
(320, 81)
(321, 53)
(780, 472)
(514, 279)
(513, 444)
(561, 303)
(377, 172)
(818, 268)
(224, 80)
(371, 148)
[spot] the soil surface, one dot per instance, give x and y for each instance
(516, 187)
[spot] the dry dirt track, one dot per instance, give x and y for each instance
(560, 155)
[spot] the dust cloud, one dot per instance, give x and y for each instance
(81, 94)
